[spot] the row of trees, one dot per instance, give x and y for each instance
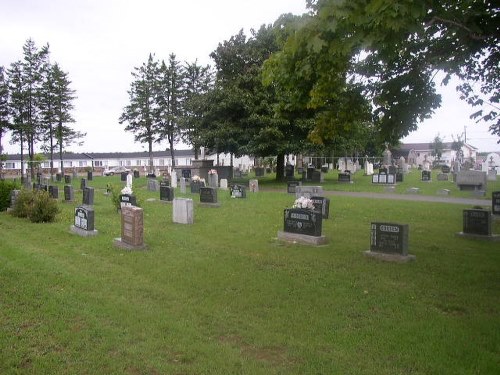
(36, 101)
(348, 76)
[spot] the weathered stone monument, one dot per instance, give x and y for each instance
(389, 242)
(253, 185)
(173, 178)
(223, 184)
(183, 211)
(132, 229)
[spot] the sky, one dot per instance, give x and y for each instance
(99, 42)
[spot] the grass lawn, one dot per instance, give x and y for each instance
(223, 296)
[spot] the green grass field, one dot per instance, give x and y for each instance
(223, 296)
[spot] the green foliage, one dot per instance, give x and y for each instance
(36, 205)
(6, 188)
(115, 195)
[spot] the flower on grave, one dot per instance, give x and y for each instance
(126, 190)
(212, 171)
(303, 202)
(197, 178)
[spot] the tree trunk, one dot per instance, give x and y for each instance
(280, 167)
(172, 153)
(150, 151)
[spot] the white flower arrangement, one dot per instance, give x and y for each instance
(303, 202)
(212, 171)
(197, 178)
(126, 190)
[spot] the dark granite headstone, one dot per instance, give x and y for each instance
(316, 176)
(58, 177)
(123, 177)
(83, 183)
(186, 173)
(208, 195)
(322, 205)
(310, 172)
(344, 177)
(88, 196)
(69, 194)
(426, 175)
(495, 203)
(67, 179)
(166, 192)
(399, 176)
(445, 169)
(301, 221)
(84, 218)
(127, 200)
(291, 185)
(195, 186)
(259, 172)
(54, 192)
(136, 173)
(237, 191)
(477, 221)
(389, 238)
(289, 170)
(13, 197)
(90, 175)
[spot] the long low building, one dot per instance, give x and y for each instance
(98, 162)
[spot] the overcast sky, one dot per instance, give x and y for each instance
(99, 42)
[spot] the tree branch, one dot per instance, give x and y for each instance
(472, 34)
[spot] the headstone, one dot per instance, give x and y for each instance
(136, 173)
(153, 184)
(173, 178)
(495, 203)
(444, 192)
(477, 222)
(303, 221)
(88, 196)
(208, 196)
(13, 197)
(310, 172)
(69, 195)
(382, 178)
(186, 173)
(223, 184)
(67, 179)
(387, 156)
(213, 180)
(344, 176)
(391, 178)
(237, 191)
(183, 211)
(322, 205)
(83, 183)
(308, 191)
(58, 177)
(291, 186)
(132, 229)
(316, 176)
(166, 192)
(90, 175)
(442, 177)
(259, 172)
(389, 241)
(83, 224)
(130, 180)
(253, 186)
(445, 169)
(195, 186)
(375, 179)
(123, 176)
(127, 200)
(54, 192)
(492, 175)
(471, 180)
(183, 185)
(426, 176)
(399, 176)
(289, 171)
(392, 169)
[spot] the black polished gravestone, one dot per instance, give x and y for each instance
(426, 175)
(88, 196)
(302, 221)
(237, 191)
(477, 222)
(344, 176)
(127, 200)
(321, 205)
(316, 176)
(389, 242)
(186, 173)
(83, 183)
(69, 195)
(67, 179)
(166, 192)
(445, 169)
(208, 195)
(495, 203)
(84, 222)
(289, 171)
(123, 176)
(90, 175)
(58, 177)
(291, 186)
(54, 192)
(196, 186)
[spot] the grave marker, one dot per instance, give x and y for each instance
(302, 226)
(426, 176)
(166, 192)
(208, 197)
(291, 186)
(127, 200)
(88, 196)
(54, 192)
(237, 191)
(132, 229)
(322, 205)
(495, 203)
(69, 194)
(83, 224)
(183, 211)
(477, 222)
(389, 241)
(253, 185)
(308, 191)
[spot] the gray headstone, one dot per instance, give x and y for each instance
(477, 221)
(84, 218)
(183, 211)
(389, 238)
(88, 196)
(69, 194)
(308, 191)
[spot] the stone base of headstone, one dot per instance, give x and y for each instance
(302, 238)
(126, 246)
(82, 232)
(152, 200)
(213, 205)
(396, 258)
(444, 192)
(493, 237)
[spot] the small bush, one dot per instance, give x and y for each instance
(5, 189)
(37, 206)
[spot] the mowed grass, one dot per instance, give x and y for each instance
(223, 296)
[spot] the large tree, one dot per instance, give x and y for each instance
(140, 114)
(383, 55)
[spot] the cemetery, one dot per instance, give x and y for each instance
(363, 268)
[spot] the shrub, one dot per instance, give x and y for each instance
(5, 189)
(37, 206)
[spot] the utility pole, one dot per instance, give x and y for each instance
(465, 134)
